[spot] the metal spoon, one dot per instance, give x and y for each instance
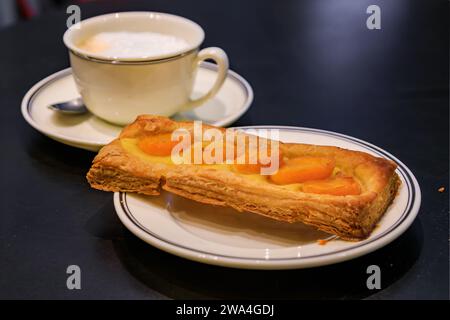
(75, 106)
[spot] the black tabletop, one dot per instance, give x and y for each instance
(312, 64)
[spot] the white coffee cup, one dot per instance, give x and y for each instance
(118, 90)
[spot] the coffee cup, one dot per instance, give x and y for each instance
(131, 63)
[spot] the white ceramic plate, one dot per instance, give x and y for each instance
(224, 237)
(91, 133)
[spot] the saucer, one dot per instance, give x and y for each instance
(88, 132)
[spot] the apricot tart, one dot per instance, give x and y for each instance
(338, 191)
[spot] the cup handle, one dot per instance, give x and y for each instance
(221, 59)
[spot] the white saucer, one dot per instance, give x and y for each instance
(91, 133)
(228, 238)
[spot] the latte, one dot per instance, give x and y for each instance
(132, 44)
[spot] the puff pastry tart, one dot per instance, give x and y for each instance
(338, 191)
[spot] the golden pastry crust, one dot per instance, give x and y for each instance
(352, 217)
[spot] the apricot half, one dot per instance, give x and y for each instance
(158, 145)
(253, 168)
(303, 169)
(338, 186)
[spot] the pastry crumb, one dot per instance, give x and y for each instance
(322, 242)
(441, 189)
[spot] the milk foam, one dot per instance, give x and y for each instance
(132, 44)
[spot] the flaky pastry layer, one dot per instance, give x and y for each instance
(351, 217)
